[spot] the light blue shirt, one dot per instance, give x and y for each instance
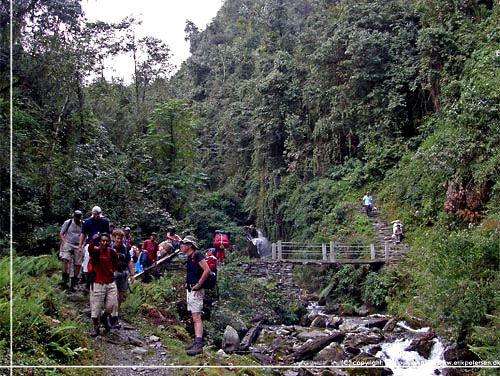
(367, 200)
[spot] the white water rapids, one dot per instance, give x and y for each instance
(410, 363)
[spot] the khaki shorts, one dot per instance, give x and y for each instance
(195, 300)
(70, 252)
(103, 296)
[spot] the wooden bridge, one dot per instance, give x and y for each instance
(331, 253)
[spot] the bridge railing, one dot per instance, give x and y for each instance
(328, 252)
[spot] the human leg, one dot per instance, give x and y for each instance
(195, 305)
(97, 296)
(65, 275)
(146, 264)
(111, 305)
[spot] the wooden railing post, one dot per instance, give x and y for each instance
(386, 249)
(280, 251)
(323, 250)
(332, 251)
(372, 251)
(273, 251)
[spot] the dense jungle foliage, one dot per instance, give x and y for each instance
(286, 112)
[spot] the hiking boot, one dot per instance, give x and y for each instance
(72, 288)
(188, 347)
(114, 322)
(196, 349)
(95, 331)
(63, 285)
(104, 321)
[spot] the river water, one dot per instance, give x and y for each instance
(410, 363)
(392, 349)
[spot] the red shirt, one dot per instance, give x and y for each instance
(107, 261)
(151, 249)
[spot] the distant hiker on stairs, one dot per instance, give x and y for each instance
(368, 203)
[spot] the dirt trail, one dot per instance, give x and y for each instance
(125, 346)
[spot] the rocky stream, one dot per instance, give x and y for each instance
(378, 344)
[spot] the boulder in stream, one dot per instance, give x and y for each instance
(332, 353)
(319, 322)
(314, 335)
(390, 325)
(311, 348)
(422, 346)
(377, 322)
(456, 352)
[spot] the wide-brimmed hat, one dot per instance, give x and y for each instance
(190, 240)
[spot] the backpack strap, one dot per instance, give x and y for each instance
(67, 227)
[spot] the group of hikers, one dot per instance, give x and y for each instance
(94, 252)
(397, 226)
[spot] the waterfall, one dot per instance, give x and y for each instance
(262, 244)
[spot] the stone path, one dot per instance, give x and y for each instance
(383, 234)
(125, 347)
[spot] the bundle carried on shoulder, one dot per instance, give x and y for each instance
(221, 239)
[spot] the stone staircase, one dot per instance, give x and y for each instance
(383, 235)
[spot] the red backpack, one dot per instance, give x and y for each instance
(221, 239)
(211, 260)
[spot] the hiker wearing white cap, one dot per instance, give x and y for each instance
(96, 224)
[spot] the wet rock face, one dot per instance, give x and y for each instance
(422, 346)
(455, 352)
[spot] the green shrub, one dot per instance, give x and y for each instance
(375, 289)
(42, 332)
(463, 278)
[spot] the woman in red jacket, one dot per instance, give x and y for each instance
(103, 292)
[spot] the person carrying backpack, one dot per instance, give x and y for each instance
(173, 238)
(103, 291)
(96, 224)
(151, 248)
(197, 272)
(221, 243)
(211, 260)
(124, 265)
(68, 251)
